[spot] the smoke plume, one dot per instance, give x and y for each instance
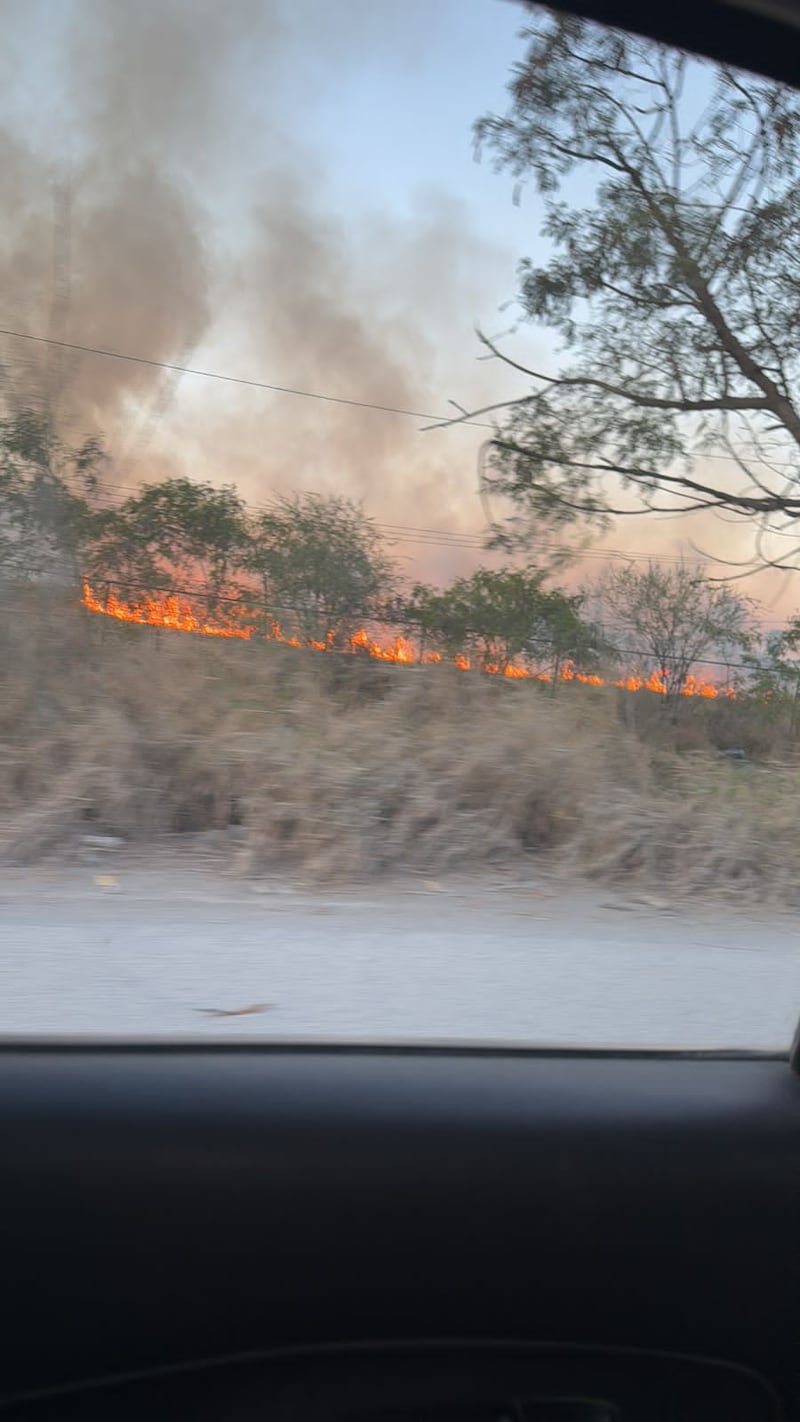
(158, 204)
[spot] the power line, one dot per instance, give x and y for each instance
(312, 394)
(235, 379)
(398, 533)
(474, 542)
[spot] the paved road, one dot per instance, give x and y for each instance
(127, 949)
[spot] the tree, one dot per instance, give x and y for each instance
(321, 563)
(440, 618)
(674, 292)
(176, 530)
(490, 614)
(676, 617)
(45, 484)
(118, 553)
(775, 671)
(563, 634)
(501, 616)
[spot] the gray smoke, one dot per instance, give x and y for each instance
(119, 197)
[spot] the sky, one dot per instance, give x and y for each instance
(284, 191)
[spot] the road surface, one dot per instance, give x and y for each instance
(123, 948)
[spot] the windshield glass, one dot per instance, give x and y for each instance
(398, 497)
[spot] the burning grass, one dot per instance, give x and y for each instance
(343, 767)
(176, 614)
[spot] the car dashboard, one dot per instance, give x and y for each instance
(401, 1234)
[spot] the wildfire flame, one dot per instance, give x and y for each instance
(176, 615)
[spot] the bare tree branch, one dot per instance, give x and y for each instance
(674, 293)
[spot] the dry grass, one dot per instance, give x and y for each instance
(341, 768)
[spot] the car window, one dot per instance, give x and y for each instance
(399, 427)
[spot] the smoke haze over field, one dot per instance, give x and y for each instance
(281, 191)
(167, 198)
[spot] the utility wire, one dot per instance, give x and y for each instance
(396, 533)
(304, 394)
(234, 379)
(313, 394)
(469, 542)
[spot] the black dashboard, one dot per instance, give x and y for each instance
(475, 1382)
(362, 1234)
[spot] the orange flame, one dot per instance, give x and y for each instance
(177, 615)
(399, 650)
(166, 612)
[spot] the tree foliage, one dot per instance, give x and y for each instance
(676, 617)
(44, 509)
(320, 562)
(774, 671)
(674, 291)
(503, 615)
(177, 529)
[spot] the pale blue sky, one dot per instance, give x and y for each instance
(378, 96)
(394, 114)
